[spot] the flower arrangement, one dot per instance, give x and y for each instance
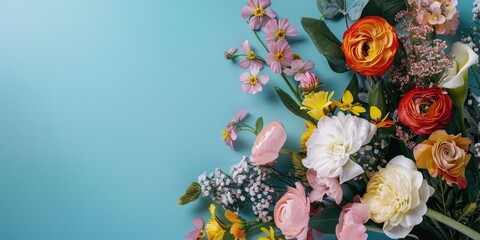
(399, 153)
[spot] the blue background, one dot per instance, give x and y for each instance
(109, 109)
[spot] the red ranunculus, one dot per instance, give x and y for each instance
(425, 110)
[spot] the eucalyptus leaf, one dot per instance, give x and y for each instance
(323, 39)
(326, 220)
(291, 105)
(330, 8)
(384, 8)
(259, 125)
(355, 10)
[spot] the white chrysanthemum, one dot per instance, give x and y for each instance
(397, 196)
(331, 144)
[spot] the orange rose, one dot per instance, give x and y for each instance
(425, 110)
(369, 46)
(445, 155)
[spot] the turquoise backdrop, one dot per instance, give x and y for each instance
(110, 108)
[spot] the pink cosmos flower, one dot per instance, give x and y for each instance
(258, 13)
(268, 143)
(230, 134)
(196, 234)
(280, 55)
(251, 59)
(352, 218)
(252, 83)
(299, 68)
(323, 186)
(291, 213)
(309, 82)
(276, 30)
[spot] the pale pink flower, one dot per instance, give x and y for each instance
(291, 213)
(229, 54)
(251, 59)
(309, 82)
(276, 30)
(323, 186)
(258, 13)
(351, 220)
(230, 134)
(280, 54)
(268, 144)
(442, 15)
(196, 234)
(252, 82)
(299, 68)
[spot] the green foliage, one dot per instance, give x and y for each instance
(191, 194)
(326, 220)
(291, 105)
(376, 97)
(354, 87)
(300, 170)
(330, 8)
(384, 8)
(326, 43)
(259, 125)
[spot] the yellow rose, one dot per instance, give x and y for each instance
(445, 155)
(370, 45)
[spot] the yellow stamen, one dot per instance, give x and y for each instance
(252, 80)
(251, 55)
(258, 12)
(279, 56)
(226, 134)
(280, 34)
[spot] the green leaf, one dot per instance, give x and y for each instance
(354, 87)
(259, 125)
(325, 41)
(376, 98)
(330, 8)
(191, 194)
(300, 170)
(384, 8)
(326, 220)
(337, 65)
(291, 105)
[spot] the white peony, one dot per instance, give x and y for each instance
(397, 196)
(331, 144)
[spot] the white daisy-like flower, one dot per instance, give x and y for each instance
(331, 144)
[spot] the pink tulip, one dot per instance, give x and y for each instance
(352, 218)
(268, 143)
(323, 185)
(291, 213)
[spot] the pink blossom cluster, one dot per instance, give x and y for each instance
(280, 57)
(442, 15)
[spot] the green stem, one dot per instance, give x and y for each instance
(461, 119)
(452, 223)
(373, 228)
(291, 88)
(260, 40)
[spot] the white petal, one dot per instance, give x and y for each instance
(350, 170)
(464, 58)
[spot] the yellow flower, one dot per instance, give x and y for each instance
(317, 103)
(376, 118)
(238, 225)
(215, 228)
(348, 105)
(270, 234)
(306, 135)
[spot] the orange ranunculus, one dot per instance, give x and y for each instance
(370, 45)
(425, 110)
(445, 155)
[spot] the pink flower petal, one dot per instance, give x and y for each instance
(246, 11)
(245, 63)
(245, 46)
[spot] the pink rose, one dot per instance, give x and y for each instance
(268, 143)
(323, 185)
(291, 213)
(351, 220)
